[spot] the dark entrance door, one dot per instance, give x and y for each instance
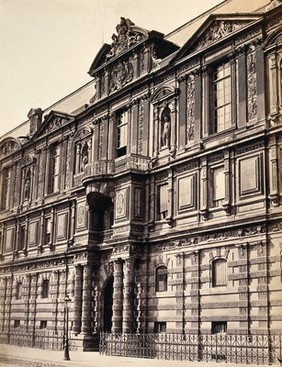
(108, 305)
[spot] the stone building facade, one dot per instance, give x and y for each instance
(156, 205)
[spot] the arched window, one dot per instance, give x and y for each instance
(161, 278)
(19, 290)
(219, 273)
(45, 288)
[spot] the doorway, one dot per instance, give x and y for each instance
(108, 305)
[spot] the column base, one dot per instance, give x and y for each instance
(85, 342)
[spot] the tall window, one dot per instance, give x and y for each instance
(45, 288)
(162, 198)
(221, 98)
(161, 278)
(54, 169)
(218, 185)
(19, 290)
(21, 239)
(5, 190)
(219, 273)
(122, 125)
(47, 230)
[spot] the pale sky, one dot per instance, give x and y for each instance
(47, 46)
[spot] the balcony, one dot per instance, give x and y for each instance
(131, 162)
(109, 167)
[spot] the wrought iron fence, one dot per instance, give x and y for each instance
(44, 339)
(248, 349)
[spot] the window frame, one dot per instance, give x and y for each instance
(159, 327)
(215, 279)
(19, 290)
(163, 277)
(54, 168)
(122, 129)
(216, 68)
(45, 289)
(162, 214)
(217, 325)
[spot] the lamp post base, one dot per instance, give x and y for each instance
(66, 353)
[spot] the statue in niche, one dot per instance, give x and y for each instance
(84, 156)
(165, 131)
(27, 184)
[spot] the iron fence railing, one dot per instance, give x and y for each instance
(44, 339)
(247, 349)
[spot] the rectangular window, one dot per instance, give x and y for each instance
(218, 185)
(47, 231)
(21, 239)
(43, 324)
(160, 327)
(161, 279)
(122, 126)
(162, 202)
(16, 323)
(219, 273)
(221, 98)
(219, 327)
(54, 169)
(5, 191)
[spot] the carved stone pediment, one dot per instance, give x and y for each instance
(217, 30)
(8, 146)
(214, 29)
(53, 121)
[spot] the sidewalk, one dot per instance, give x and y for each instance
(87, 359)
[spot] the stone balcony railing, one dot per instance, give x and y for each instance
(131, 162)
(109, 167)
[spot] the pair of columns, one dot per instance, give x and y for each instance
(123, 307)
(123, 314)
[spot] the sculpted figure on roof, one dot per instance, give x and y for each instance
(125, 37)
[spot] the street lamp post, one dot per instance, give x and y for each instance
(66, 329)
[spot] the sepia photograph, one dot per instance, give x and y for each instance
(140, 183)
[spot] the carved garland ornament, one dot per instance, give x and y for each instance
(190, 108)
(252, 86)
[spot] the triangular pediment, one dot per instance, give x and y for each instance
(215, 29)
(53, 121)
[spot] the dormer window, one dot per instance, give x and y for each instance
(122, 126)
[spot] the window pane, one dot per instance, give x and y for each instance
(219, 273)
(218, 184)
(222, 98)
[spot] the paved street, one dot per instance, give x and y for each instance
(11, 355)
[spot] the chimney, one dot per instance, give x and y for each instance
(35, 119)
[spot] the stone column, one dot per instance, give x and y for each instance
(77, 303)
(86, 300)
(128, 300)
(117, 297)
